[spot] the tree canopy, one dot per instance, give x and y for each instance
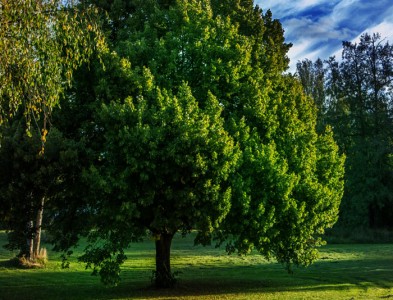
(41, 43)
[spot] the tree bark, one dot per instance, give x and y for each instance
(30, 240)
(38, 226)
(164, 277)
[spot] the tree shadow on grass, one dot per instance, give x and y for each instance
(200, 281)
(9, 264)
(263, 279)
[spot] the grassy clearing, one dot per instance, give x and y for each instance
(343, 272)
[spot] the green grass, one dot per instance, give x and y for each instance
(342, 272)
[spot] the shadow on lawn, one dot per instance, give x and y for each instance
(8, 264)
(214, 281)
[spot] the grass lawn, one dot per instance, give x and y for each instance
(356, 271)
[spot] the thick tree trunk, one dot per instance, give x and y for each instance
(164, 277)
(38, 226)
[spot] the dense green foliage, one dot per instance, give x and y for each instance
(41, 43)
(191, 124)
(164, 168)
(358, 104)
(31, 181)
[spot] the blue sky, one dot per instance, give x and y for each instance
(317, 27)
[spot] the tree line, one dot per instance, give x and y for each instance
(185, 120)
(355, 96)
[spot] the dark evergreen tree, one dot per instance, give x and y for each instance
(312, 77)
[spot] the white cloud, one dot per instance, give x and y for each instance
(320, 30)
(385, 29)
(342, 11)
(288, 7)
(296, 52)
(317, 27)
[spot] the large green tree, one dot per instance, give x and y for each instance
(193, 125)
(164, 169)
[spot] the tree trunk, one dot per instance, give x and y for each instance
(30, 240)
(163, 276)
(28, 251)
(38, 226)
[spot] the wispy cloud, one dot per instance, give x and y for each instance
(317, 27)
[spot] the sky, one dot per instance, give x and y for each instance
(317, 28)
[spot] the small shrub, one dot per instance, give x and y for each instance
(42, 257)
(29, 263)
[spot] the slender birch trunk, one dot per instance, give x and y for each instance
(38, 226)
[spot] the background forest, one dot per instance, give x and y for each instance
(355, 96)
